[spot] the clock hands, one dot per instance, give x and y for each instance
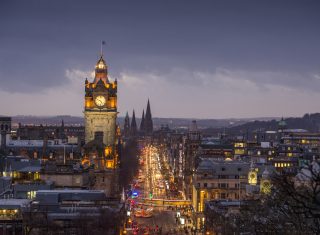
(100, 100)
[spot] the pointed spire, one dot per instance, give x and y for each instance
(142, 126)
(101, 71)
(126, 128)
(133, 124)
(148, 120)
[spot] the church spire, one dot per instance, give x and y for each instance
(126, 127)
(133, 124)
(142, 122)
(148, 120)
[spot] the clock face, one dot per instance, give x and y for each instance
(252, 175)
(266, 184)
(100, 100)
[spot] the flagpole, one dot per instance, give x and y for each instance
(101, 48)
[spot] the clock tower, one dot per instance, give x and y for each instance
(100, 106)
(100, 114)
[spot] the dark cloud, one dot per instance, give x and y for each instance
(271, 42)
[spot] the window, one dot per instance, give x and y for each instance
(31, 194)
(205, 185)
(223, 185)
(222, 195)
(222, 177)
(239, 169)
(223, 169)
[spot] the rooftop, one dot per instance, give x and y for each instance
(13, 203)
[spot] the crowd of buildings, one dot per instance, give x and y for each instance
(66, 178)
(220, 173)
(59, 179)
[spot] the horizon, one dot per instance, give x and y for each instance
(156, 117)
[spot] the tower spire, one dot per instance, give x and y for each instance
(133, 124)
(142, 125)
(101, 68)
(148, 120)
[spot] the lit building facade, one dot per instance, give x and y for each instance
(100, 113)
(102, 134)
(100, 109)
(216, 180)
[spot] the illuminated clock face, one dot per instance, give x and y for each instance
(100, 100)
(266, 184)
(252, 175)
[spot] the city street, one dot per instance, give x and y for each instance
(165, 221)
(151, 184)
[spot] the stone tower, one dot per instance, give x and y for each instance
(102, 134)
(5, 131)
(100, 106)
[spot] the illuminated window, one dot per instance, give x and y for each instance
(31, 194)
(239, 145)
(36, 176)
(109, 164)
(107, 151)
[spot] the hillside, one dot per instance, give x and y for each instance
(309, 122)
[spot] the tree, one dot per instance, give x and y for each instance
(293, 206)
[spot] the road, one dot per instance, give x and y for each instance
(163, 219)
(152, 184)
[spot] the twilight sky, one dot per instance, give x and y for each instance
(200, 59)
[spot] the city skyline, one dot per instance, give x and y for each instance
(208, 60)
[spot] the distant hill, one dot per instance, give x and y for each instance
(309, 122)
